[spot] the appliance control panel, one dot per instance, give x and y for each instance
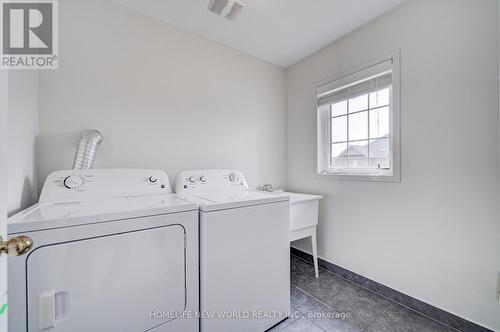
(78, 185)
(208, 180)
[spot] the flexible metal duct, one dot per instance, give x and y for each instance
(87, 149)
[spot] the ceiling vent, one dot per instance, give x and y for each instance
(229, 9)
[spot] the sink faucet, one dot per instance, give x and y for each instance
(267, 187)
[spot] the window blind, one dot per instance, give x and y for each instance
(359, 89)
(374, 78)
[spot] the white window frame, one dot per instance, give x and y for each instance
(345, 78)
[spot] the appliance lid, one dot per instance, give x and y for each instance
(43, 216)
(234, 199)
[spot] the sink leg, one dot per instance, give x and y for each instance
(315, 253)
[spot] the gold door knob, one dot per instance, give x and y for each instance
(16, 246)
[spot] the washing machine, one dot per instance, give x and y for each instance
(244, 251)
(113, 250)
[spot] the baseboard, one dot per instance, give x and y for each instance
(426, 309)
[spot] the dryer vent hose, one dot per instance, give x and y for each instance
(87, 149)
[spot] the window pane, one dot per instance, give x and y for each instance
(358, 154)
(339, 129)
(379, 98)
(339, 108)
(358, 104)
(358, 126)
(379, 122)
(380, 153)
(339, 155)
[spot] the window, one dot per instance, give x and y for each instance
(358, 122)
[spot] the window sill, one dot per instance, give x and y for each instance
(395, 178)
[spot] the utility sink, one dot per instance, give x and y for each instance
(303, 210)
(304, 219)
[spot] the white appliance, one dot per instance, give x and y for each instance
(113, 250)
(244, 251)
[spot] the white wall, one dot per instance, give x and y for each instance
(22, 134)
(162, 98)
(436, 235)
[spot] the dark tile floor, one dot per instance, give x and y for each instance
(330, 303)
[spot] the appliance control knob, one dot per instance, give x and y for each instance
(232, 177)
(153, 179)
(73, 182)
(192, 179)
(203, 178)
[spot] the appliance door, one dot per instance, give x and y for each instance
(245, 268)
(108, 283)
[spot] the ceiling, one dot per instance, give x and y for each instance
(281, 32)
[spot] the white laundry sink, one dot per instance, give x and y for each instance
(304, 219)
(303, 211)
